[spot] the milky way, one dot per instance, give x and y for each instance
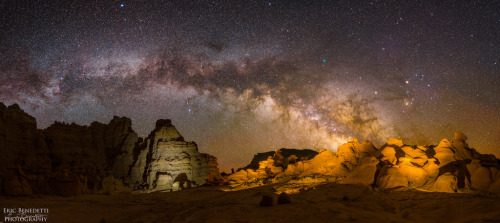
(252, 76)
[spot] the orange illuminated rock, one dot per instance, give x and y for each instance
(364, 173)
(444, 183)
(444, 153)
(481, 178)
(391, 177)
(416, 176)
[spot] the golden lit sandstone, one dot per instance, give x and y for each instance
(444, 183)
(341, 163)
(391, 177)
(389, 155)
(416, 176)
(444, 153)
(364, 173)
(433, 168)
(481, 178)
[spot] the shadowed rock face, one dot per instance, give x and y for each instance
(69, 159)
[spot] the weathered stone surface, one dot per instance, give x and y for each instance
(24, 155)
(395, 142)
(444, 153)
(364, 173)
(432, 169)
(391, 177)
(416, 176)
(296, 154)
(481, 178)
(444, 183)
(495, 187)
(70, 159)
(388, 155)
(165, 158)
(446, 168)
(111, 185)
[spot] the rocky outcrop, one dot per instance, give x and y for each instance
(166, 162)
(300, 154)
(448, 167)
(25, 160)
(94, 152)
(325, 163)
(69, 159)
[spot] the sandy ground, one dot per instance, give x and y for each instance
(326, 203)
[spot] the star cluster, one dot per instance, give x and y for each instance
(241, 77)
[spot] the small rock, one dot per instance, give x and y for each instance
(284, 198)
(266, 201)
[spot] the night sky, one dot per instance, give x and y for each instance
(241, 77)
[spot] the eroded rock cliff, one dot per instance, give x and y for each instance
(164, 161)
(69, 159)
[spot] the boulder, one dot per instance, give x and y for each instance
(284, 198)
(388, 154)
(416, 176)
(432, 169)
(412, 152)
(395, 142)
(364, 173)
(444, 183)
(495, 187)
(444, 153)
(391, 177)
(481, 178)
(266, 201)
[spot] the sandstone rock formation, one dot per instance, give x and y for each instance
(447, 167)
(325, 163)
(166, 162)
(25, 159)
(69, 159)
(297, 155)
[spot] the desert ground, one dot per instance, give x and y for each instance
(325, 203)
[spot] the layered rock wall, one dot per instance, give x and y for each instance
(69, 159)
(167, 162)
